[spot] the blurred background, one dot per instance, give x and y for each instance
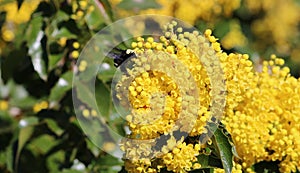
(40, 42)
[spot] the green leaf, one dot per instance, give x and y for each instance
(102, 94)
(24, 135)
(85, 95)
(34, 36)
(24, 103)
(9, 158)
(109, 160)
(53, 60)
(53, 30)
(53, 126)
(7, 130)
(54, 160)
(42, 144)
(222, 143)
(106, 72)
(63, 85)
(60, 16)
(28, 121)
(97, 17)
(208, 161)
(141, 5)
(63, 32)
(222, 28)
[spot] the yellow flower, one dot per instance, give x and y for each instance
(40, 106)
(75, 54)
(181, 158)
(3, 105)
(62, 41)
(76, 45)
(261, 112)
(278, 26)
(152, 114)
(7, 35)
(86, 113)
(21, 15)
(188, 11)
(82, 65)
(234, 38)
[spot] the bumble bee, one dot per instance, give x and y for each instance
(119, 56)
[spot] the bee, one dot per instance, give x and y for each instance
(119, 56)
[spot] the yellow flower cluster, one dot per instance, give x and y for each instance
(182, 157)
(81, 8)
(40, 106)
(88, 113)
(265, 124)
(140, 91)
(235, 37)
(15, 16)
(189, 11)
(279, 25)
(145, 95)
(21, 15)
(261, 113)
(194, 10)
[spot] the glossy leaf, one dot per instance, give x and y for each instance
(224, 148)
(34, 36)
(63, 32)
(106, 72)
(63, 85)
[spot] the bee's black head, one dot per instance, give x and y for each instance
(119, 56)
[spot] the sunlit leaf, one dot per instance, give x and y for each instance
(53, 60)
(62, 86)
(62, 32)
(106, 72)
(34, 36)
(54, 127)
(224, 148)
